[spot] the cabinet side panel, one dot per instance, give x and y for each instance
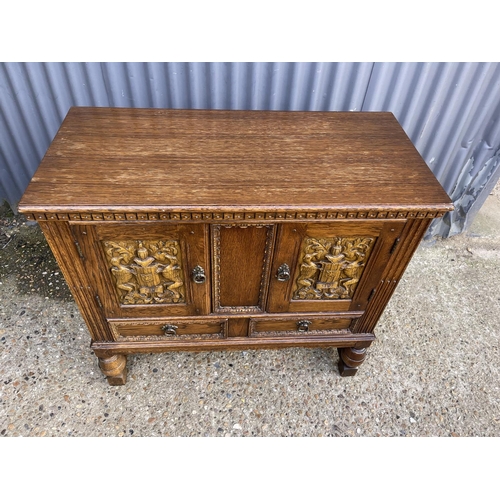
(61, 242)
(411, 236)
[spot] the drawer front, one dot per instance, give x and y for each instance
(298, 327)
(168, 330)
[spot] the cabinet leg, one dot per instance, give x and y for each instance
(115, 368)
(350, 359)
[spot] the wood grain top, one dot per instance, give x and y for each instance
(112, 159)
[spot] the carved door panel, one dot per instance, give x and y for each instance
(329, 266)
(147, 270)
(242, 256)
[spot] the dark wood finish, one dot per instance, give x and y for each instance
(350, 359)
(62, 244)
(201, 230)
(249, 216)
(191, 327)
(169, 329)
(409, 240)
(241, 267)
(287, 327)
(238, 327)
(114, 367)
(113, 159)
(288, 250)
(194, 249)
(234, 343)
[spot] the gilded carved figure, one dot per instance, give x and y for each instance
(330, 268)
(145, 271)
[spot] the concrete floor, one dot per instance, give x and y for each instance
(432, 372)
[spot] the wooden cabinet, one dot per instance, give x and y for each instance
(196, 230)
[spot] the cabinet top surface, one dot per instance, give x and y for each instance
(120, 158)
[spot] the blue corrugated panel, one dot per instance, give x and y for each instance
(449, 110)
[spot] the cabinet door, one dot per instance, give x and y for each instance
(147, 270)
(329, 266)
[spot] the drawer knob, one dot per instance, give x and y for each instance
(303, 325)
(283, 273)
(198, 275)
(169, 329)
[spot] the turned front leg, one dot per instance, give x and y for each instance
(350, 358)
(114, 367)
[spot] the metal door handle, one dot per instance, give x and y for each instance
(283, 273)
(198, 274)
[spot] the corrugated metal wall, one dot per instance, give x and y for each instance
(451, 111)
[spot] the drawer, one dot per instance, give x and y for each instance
(298, 327)
(168, 329)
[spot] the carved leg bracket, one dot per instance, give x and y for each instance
(350, 359)
(115, 368)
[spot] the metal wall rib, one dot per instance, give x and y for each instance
(450, 111)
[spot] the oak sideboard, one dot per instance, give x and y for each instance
(211, 229)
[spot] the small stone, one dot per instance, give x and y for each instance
(412, 420)
(358, 430)
(237, 426)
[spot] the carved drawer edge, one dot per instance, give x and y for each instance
(238, 216)
(323, 332)
(114, 327)
(296, 333)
